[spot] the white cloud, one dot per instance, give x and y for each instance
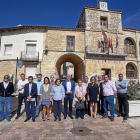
(133, 17)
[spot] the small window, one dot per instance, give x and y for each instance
(8, 49)
(103, 22)
(70, 43)
(30, 71)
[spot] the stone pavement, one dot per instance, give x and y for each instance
(101, 129)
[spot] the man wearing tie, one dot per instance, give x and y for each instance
(69, 87)
(30, 92)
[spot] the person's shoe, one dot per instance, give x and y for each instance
(59, 119)
(8, 120)
(104, 117)
(1, 120)
(36, 116)
(65, 117)
(55, 119)
(17, 117)
(71, 117)
(125, 118)
(76, 118)
(26, 120)
(119, 115)
(112, 119)
(33, 120)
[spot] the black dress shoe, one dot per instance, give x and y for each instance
(33, 120)
(65, 117)
(119, 115)
(26, 120)
(59, 119)
(125, 118)
(71, 117)
(55, 119)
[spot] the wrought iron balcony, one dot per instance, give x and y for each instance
(30, 55)
(105, 52)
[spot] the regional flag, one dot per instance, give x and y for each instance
(110, 41)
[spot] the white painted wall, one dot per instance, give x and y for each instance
(18, 39)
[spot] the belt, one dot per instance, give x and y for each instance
(109, 96)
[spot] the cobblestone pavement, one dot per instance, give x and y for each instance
(101, 129)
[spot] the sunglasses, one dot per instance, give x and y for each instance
(6, 78)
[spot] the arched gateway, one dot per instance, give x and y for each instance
(79, 68)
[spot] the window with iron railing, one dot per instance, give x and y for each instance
(130, 48)
(103, 22)
(70, 43)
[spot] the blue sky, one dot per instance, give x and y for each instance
(63, 13)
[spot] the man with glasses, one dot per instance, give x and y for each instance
(121, 86)
(100, 103)
(85, 83)
(69, 86)
(21, 85)
(6, 90)
(30, 92)
(109, 90)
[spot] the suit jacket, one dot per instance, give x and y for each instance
(33, 91)
(64, 83)
(8, 91)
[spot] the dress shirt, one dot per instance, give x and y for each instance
(20, 84)
(124, 83)
(109, 88)
(39, 83)
(58, 92)
(69, 86)
(86, 85)
(5, 84)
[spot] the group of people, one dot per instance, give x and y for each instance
(51, 94)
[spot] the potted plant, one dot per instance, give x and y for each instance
(133, 90)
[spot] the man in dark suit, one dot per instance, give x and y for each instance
(69, 86)
(30, 92)
(6, 90)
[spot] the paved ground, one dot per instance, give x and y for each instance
(100, 129)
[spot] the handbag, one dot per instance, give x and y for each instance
(80, 105)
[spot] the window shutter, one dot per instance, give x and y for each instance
(30, 71)
(8, 49)
(31, 47)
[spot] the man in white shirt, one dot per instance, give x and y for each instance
(39, 82)
(21, 85)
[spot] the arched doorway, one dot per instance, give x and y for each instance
(79, 68)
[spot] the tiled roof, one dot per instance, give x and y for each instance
(38, 26)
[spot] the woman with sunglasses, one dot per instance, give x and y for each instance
(93, 95)
(46, 97)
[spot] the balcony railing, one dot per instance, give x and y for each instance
(30, 55)
(96, 49)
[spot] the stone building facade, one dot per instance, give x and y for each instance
(80, 46)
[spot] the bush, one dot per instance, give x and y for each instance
(133, 90)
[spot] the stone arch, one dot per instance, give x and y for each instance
(77, 61)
